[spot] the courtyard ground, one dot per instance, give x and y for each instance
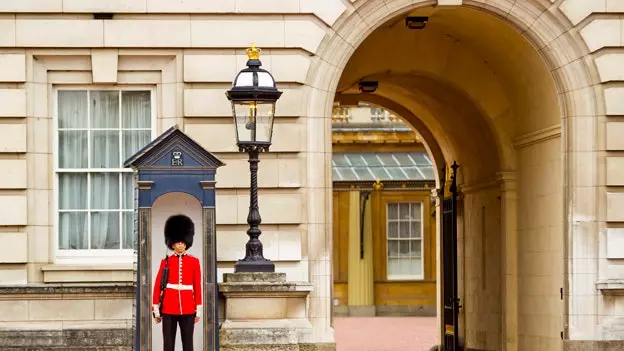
(385, 333)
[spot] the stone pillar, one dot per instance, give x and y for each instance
(265, 312)
(361, 284)
(509, 264)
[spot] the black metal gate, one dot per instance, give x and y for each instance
(449, 257)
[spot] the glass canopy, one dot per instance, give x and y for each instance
(370, 166)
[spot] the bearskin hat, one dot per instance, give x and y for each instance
(179, 228)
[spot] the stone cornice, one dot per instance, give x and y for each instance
(537, 136)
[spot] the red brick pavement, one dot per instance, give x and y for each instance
(385, 333)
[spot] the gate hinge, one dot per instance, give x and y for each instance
(561, 292)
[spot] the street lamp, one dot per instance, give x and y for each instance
(253, 96)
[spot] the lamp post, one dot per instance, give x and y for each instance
(253, 97)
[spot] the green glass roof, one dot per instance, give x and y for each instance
(365, 166)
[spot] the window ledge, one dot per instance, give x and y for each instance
(88, 273)
(611, 286)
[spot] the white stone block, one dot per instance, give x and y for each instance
(610, 66)
(615, 130)
(290, 68)
(12, 310)
(59, 32)
(289, 171)
(226, 208)
(614, 100)
(7, 28)
(213, 137)
(113, 309)
(449, 2)
(236, 32)
(602, 32)
(615, 171)
(267, 6)
(18, 244)
(615, 243)
(104, 65)
(235, 174)
(13, 174)
(287, 137)
(282, 208)
(66, 310)
(223, 67)
(108, 6)
(15, 276)
(210, 68)
(290, 103)
(206, 103)
(327, 10)
(615, 6)
(289, 248)
(12, 138)
(12, 103)
(147, 33)
(13, 210)
(303, 34)
(615, 204)
(30, 6)
(190, 6)
(12, 67)
(577, 10)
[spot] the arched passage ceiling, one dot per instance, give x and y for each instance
(474, 81)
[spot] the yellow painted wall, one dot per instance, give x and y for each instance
(386, 292)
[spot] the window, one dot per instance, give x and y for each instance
(405, 240)
(97, 130)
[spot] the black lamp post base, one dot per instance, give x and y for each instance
(266, 266)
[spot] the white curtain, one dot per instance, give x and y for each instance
(96, 169)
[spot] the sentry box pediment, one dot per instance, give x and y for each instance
(174, 162)
(171, 151)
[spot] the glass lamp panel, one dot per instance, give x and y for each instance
(265, 80)
(244, 79)
(254, 121)
(264, 124)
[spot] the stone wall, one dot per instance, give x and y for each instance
(187, 52)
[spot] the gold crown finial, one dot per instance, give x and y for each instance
(253, 52)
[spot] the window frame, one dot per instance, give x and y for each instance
(111, 256)
(403, 277)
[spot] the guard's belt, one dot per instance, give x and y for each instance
(180, 287)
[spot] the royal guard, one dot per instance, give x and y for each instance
(177, 295)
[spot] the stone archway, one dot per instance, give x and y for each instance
(560, 55)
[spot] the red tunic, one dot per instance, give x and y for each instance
(183, 294)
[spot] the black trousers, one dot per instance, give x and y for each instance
(170, 327)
